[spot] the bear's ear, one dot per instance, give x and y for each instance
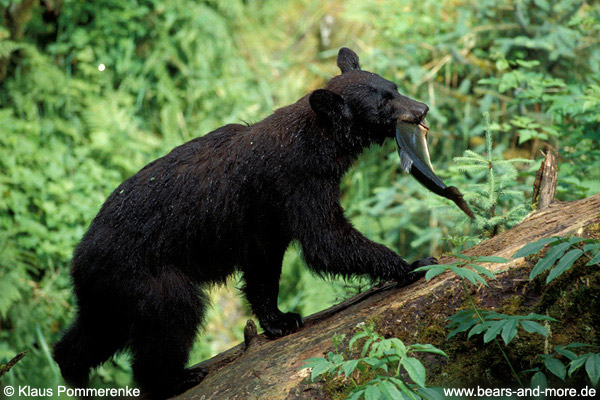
(326, 103)
(347, 60)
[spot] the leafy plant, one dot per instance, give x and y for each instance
(459, 242)
(530, 86)
(561, 255)
(478, 321)
(390, 359)
(590, 360)
(460, 268)
(493, 324)
(546, 107)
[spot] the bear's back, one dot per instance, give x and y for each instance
(185, 196)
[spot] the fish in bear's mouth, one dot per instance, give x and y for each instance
(414, 156)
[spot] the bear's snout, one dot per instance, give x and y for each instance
(412, 111)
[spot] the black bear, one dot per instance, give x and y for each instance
(232, 200)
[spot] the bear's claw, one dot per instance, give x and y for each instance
(424, 262)
(283, 325)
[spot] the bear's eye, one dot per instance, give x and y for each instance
(385, 98)
(388, 96)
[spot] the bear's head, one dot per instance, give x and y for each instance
(364, 101)
(362, 107)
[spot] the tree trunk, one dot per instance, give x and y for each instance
(270, 369)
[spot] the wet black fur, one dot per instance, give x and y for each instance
(231, 200)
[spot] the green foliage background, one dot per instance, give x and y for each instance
(174, 70)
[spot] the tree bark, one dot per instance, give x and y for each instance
(270, 369)
(546, 179)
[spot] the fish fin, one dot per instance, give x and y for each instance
(405, 160)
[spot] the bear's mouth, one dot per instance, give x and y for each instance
(414, 156)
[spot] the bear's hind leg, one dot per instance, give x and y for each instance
(163, 334)
(86, 344)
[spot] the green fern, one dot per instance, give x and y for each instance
(7, 47)
(497, 205)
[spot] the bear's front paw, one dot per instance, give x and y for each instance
(424, 262)
(282, 325)
(411, 276)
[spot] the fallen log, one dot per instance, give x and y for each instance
(270, 369)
